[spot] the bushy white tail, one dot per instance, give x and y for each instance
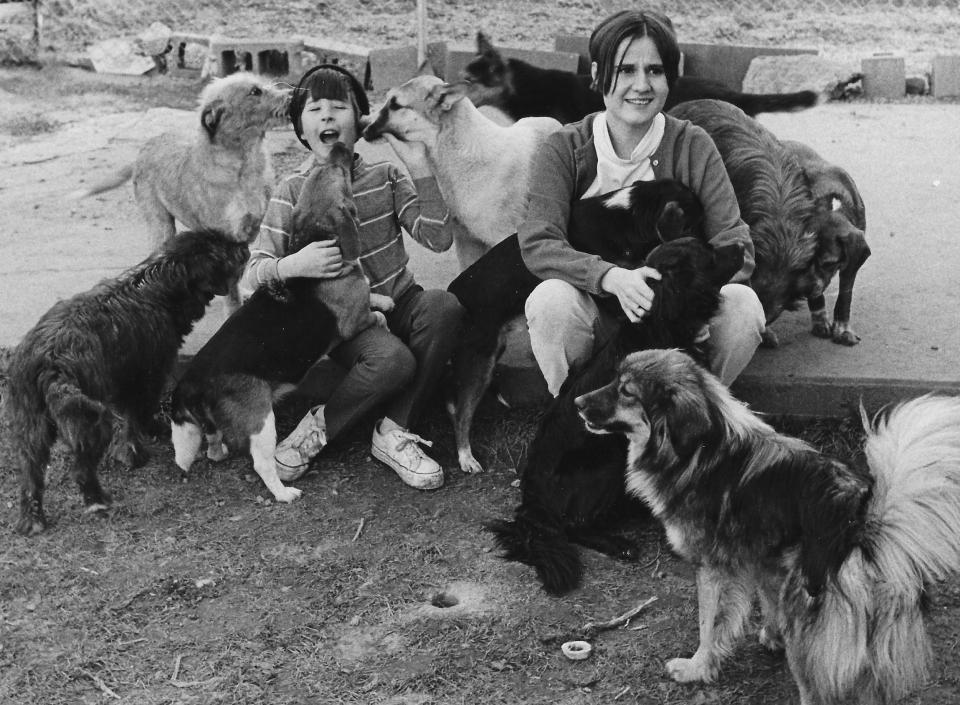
(914, 453)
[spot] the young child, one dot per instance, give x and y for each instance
(399, 364)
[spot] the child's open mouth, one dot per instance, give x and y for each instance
(329, 136)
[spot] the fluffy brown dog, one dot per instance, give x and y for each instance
(795, 236)
(839, 554)
(842, 247)
(106, 354)
(221, 178)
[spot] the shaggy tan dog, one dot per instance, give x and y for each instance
(219, 179)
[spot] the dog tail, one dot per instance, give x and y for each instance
(537, 539)
(910, 538)
(118, 179)
(755, 103)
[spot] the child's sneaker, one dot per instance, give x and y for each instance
(400, 450)
(294, 453)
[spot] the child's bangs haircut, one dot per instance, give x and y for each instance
(632, 24)
(332, 82)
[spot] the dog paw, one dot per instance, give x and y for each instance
(769, 339)
(217, 452)
(770, 638)
(843, 335)
(690, 670)
(821, 329)
(468, 463)
(287, 495)
(379, 302)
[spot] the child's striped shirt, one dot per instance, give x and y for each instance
(385, 200)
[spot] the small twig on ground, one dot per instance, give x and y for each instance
(593, 627)
(132, 641)
(359, 528)
(176, 668)
(100, 684)
(626, 689)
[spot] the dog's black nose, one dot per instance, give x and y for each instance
(580, 402)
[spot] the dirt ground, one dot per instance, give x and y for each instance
(203, 590)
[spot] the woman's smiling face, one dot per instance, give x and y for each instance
(639, 89)
(325, 121)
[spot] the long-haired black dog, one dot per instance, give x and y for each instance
(572, 482)
(103, 357)
(522, 90)
(622, 227)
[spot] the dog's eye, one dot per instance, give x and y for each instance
(256, 90)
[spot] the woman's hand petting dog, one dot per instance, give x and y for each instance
(631, 289)
(316, 260)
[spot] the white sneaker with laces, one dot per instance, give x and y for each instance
(400, 450)
(294, 453)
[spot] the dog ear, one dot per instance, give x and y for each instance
(727, 261)
(485, 47)
(681, 419)
(443, 97)
(671, 222)
(210, 118)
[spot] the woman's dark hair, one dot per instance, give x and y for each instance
(631, 24)
(332, 82)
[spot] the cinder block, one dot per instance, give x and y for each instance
(946, 76)
(353, 57)
(457, 60)
(575, 44)
(268, 57)
(727, 63)
(189, 50)
(391, 67)
(884, 76)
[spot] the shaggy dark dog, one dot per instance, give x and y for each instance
(622, 227)
(572, 481)
(799, 241)
(522, 90)
(841, 554)
(105, 355)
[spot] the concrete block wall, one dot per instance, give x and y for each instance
(379, 69)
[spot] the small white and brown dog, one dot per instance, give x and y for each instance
(217, 179)
(841, 555)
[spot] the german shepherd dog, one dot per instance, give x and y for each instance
(522, 90)
(799, 241)
(101, 359)
(621, 227)
(571, 481)
(840, 554)
(260, 353)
